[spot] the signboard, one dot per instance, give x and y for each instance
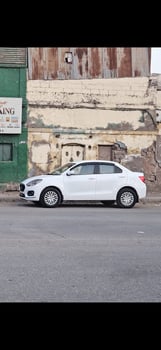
(10, 115)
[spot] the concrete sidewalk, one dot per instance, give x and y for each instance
(13, 196)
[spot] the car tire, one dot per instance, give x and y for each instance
(108, 203)
(126, 198)
(50, 197)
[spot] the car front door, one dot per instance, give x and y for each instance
(80, 185)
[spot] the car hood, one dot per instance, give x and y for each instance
(43, 177)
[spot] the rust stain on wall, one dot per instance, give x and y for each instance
(37, 63)
(52, 62)
(125, 67)
(137, 73)
(112, 54)
(95, 68)
(82, 54)
(88, 62)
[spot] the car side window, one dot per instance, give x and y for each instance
(117, 169)
(83, 169)
(109, 169)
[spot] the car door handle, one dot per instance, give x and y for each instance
(91, 178)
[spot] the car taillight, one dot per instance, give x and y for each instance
(142, 178)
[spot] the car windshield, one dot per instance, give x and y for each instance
(61, 169)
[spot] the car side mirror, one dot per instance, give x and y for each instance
(70, 172)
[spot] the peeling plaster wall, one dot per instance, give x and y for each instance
(158, 100)
(90, 113)
(103, 93)
(84, 118)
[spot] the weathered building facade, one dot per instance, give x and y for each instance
(115, 119)
(90, 103)
(94, 103)
(53, 63)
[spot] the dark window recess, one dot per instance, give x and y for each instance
(68, 57)
(6, 152)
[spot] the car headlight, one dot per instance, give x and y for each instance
(34, 182)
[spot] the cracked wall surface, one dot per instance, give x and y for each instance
(78, 118)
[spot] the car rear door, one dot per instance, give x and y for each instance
(108, 181)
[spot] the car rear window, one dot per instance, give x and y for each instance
(109, 169)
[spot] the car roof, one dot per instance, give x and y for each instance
(96, 161)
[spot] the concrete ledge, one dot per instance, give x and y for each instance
(9, 196)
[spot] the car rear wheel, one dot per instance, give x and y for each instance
(126, 198)
(50, 198)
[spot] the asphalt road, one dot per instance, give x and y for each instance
(80, 253)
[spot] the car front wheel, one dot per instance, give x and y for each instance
(50, 198)
(126, 198)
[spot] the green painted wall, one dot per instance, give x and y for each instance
(13, 84)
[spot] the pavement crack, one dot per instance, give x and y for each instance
(56, 234)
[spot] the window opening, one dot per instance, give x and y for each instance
(6, 152)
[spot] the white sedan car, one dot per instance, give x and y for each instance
(88, 180)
